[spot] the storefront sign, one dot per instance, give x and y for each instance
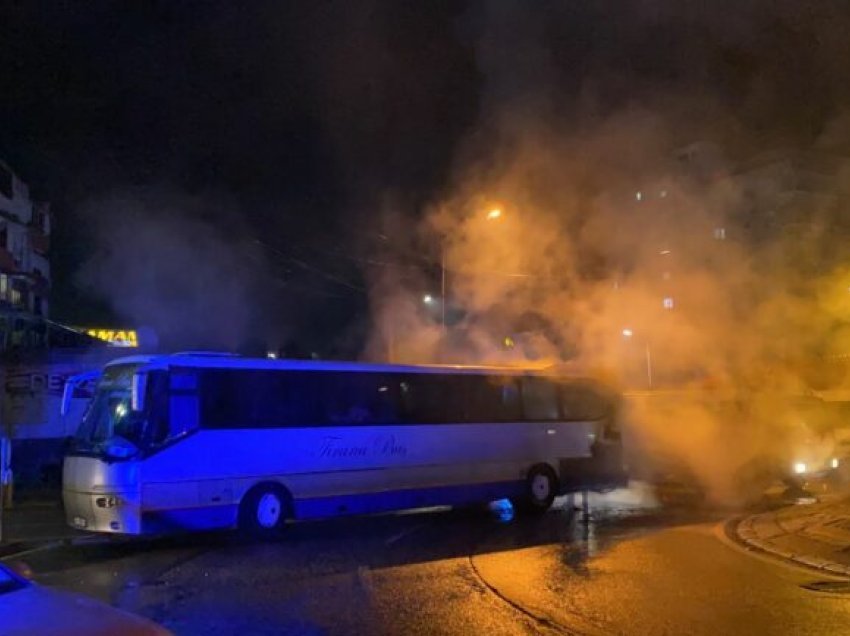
(116, 337)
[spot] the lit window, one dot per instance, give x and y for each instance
(720, 233)
(668, 303)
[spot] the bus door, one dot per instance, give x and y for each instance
(213, 490)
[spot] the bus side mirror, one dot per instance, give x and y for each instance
(138, 391)
(71, 386)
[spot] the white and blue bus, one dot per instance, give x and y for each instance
(200, 441)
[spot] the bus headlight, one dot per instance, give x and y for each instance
(107, 502)
(834, 462)
(799, 468)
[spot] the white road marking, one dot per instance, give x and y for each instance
(402, 534)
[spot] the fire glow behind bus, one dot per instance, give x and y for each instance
(197, 442)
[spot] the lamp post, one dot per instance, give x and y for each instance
(443, 287)
(492, 215)
(628, 334)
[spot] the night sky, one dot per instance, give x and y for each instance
(302, 119)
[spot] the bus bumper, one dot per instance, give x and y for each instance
(101, 512)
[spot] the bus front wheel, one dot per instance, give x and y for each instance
(264, 511)
(541, 486)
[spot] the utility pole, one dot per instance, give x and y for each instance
(443, 286)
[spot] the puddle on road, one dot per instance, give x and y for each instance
(621, 515)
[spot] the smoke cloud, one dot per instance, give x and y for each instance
(174, 263)
(654, 240)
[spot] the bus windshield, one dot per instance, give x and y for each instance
(110, 415)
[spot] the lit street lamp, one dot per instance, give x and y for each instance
(492, 215)
(627, 334)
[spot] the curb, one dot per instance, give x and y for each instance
(741, 531)
(20, 548)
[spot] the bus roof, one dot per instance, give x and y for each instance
(228, 361)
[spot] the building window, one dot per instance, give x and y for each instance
(4, 287)
(15, 296)
(6, 184)
(720, 233)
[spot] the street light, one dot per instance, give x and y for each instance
(492, 215)
(428, 299)
(627, 334)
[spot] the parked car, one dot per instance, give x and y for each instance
(29, 609)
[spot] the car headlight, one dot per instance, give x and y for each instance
(800, 468)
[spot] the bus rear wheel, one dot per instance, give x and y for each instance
(264, 511)
(541, 486)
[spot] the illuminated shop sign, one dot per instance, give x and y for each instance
(115, 337)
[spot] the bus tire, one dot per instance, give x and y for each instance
(541, 486)
(264, 510)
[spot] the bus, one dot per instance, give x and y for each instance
(196, 441)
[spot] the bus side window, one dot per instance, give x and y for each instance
(216, 405)
(384, 393)
(298, 401)
(507, 399)
(258, 395)
(539, 399)
(582, 403)
(156, 409)
(183, 409)
(360, 398)
(489, 399)
(422, 398)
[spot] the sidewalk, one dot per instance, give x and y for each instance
(33, 524)
(815, 535)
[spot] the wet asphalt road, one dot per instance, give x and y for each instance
(631, 569)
